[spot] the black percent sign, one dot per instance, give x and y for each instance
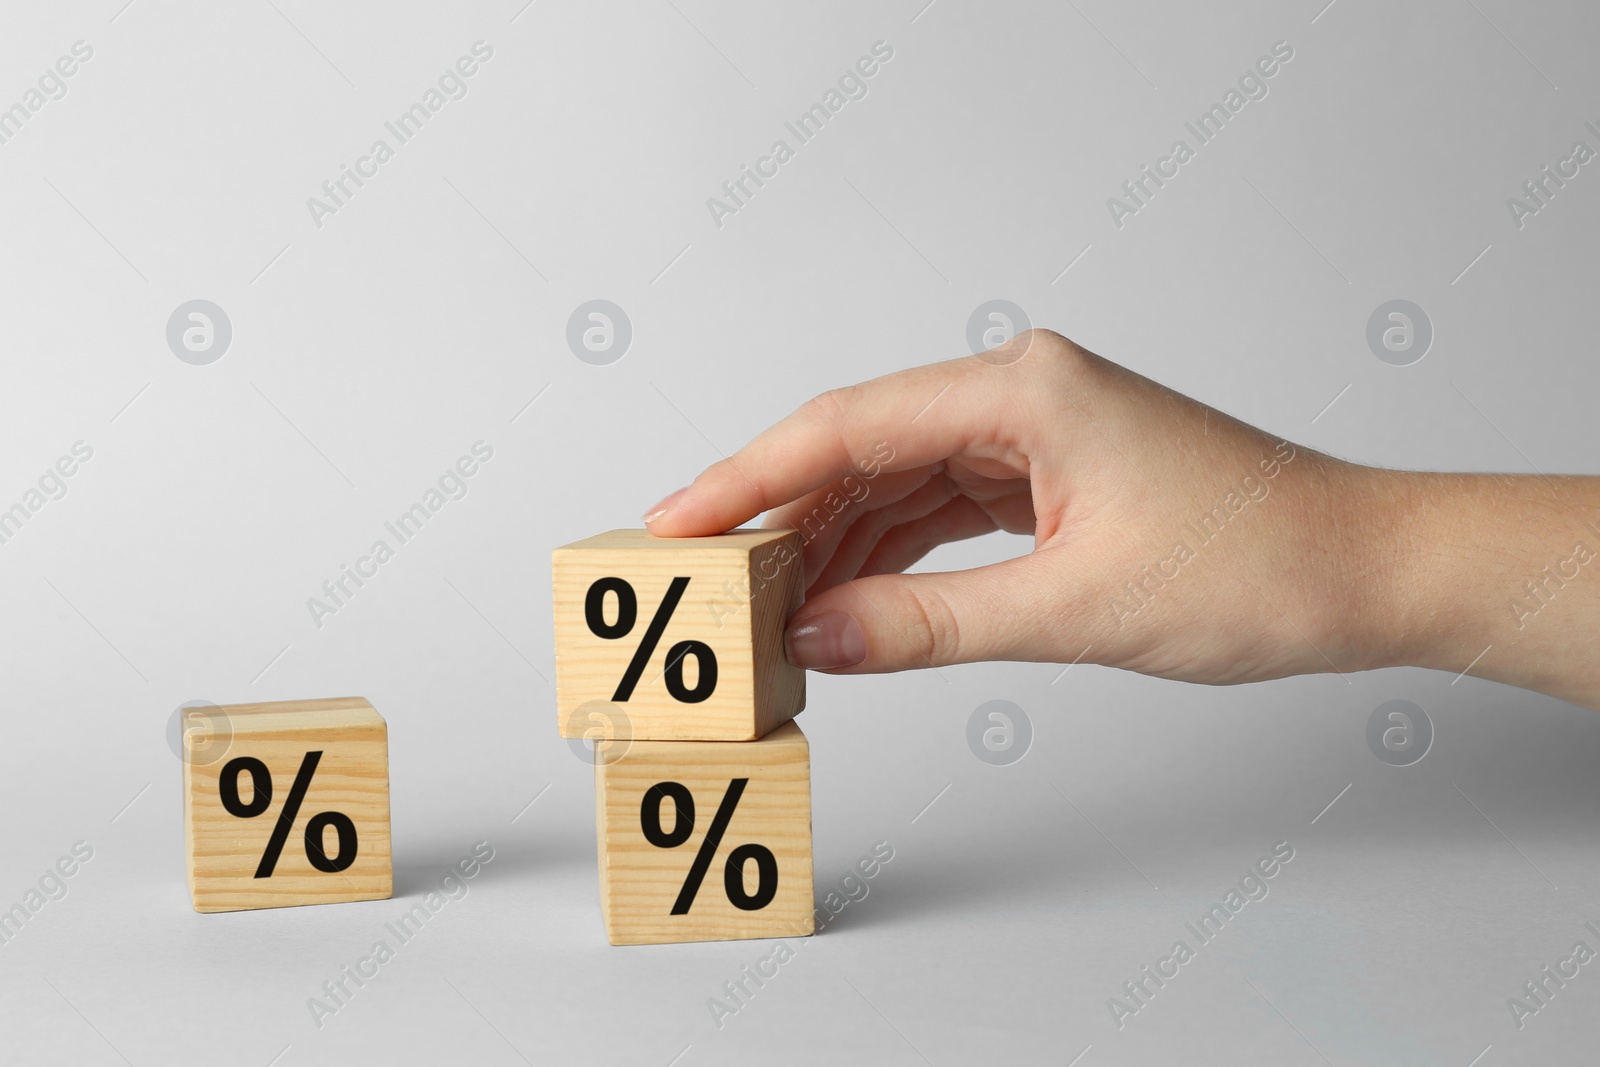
(683, 826)
(261, 798)
(594, 613)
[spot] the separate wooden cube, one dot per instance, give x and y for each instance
(658, 803)
(676, 638)
(295, 811)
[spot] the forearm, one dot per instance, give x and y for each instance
(1497, 576)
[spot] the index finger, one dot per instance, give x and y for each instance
(903, 420)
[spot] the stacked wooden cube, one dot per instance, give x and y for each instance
(669, 657)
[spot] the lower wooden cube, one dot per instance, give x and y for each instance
(290, 807)
(705, 840)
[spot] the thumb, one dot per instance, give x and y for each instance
(896, 622)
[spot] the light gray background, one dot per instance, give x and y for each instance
(427, 314)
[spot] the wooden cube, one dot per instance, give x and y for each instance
(677, 639)
(705, 840)
(295, 810)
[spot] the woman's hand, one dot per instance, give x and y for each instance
(1168, 538)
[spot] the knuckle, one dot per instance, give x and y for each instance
(717, 473)
(832, 407)
(1054, 350)
(1039, 351)
(934, 633)
(724, 476)
(1062, 366)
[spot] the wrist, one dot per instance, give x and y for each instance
(1369, 563)
(1411, 614)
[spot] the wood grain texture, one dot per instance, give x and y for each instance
(639, 882)
(743, 586)
(352, 777)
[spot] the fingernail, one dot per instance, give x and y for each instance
(831, 639)
(664, 506)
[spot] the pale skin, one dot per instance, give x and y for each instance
(1169, 539)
